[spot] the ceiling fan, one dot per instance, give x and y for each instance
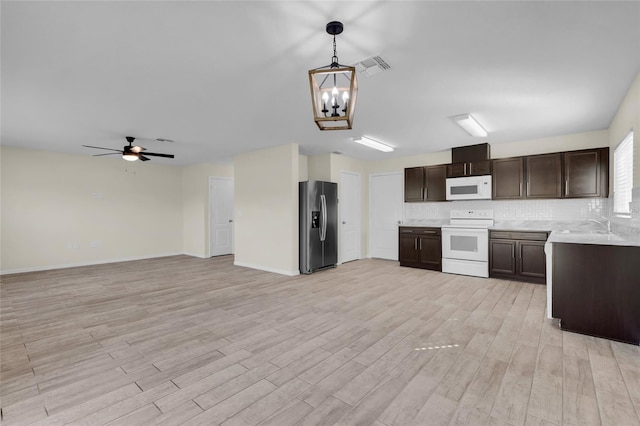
(133, 152)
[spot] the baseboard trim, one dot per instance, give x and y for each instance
(195, 255)
(267, 269)
(89, 263)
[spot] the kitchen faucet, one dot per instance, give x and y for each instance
(605, 223)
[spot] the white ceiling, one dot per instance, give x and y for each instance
(222, 78)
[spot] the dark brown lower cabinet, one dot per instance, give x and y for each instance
(420, 247)
(596, 290)
(518, 256)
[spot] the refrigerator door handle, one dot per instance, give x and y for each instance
(323, 217)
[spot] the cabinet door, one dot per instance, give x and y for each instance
(456, 169)
(430, 251)
(435, 183)
(502, 257)
(583, 173)
(507, 177)
(544, 176)
(479, 168)
(532, 260)
(408, 249)
(414, 184)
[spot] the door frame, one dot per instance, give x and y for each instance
(210, 238)
(357, 214)
(372, 175)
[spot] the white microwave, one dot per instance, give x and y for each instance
(469, 188)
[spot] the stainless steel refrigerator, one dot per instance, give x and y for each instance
(318, 225)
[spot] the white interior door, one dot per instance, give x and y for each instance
(349, 216)
(386, 202)
(220, 216)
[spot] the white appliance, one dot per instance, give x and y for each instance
(465, 242)
(469, 188)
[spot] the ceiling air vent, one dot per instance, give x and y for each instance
(372, 65)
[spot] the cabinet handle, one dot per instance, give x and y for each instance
(528, 188)
(426, 193)
(428, 232)
(415, 244)
(566, 186)
(420, 244)
(465, 168)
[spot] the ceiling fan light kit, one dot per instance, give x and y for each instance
(333, 90)
(470, 125)
(366, 141)
(131, 152)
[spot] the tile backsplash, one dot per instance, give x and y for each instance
(561, 210)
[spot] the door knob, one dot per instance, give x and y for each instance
(344, 223)
(399, 222)
(230, 220)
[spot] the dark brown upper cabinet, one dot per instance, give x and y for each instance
(472, 160)
(507, 178)
(435, 183)
(478, 168)
(414, 184)
(425, 183)
(544, 176)
(586, 173)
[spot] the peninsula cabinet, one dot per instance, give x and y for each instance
(507, 178)
(595, 290)
(426, 183)
(518, 255)
(544, 176)
(420, 247)
(586, 173)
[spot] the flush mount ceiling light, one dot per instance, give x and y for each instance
(468, 123)
(373, 144)
(333, 90)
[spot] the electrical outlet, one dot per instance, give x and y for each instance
(95, 244)
(73, 245)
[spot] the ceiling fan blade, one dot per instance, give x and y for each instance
(143, 158)
(99, 147)
(111, 153)
(155, 154)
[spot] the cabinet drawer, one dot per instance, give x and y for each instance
(419, 230)
(518, 235)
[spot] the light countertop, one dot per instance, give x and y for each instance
(560, 231)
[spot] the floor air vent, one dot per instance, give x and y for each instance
(372, 65)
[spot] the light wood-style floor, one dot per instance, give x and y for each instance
(181, 340)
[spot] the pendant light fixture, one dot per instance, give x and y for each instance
(333, 90)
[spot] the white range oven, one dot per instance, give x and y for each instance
(465, 242)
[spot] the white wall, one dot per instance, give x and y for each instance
(303, 168)
(65, 210)
(195, 205)
(628, 118)
(266, 209)
(572, 142)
